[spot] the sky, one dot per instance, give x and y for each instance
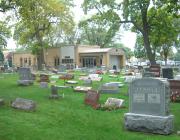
(127, 38)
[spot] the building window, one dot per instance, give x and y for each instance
(100, 61)
(67, 61)
(25, 60)
(21, 62)
(56, 61)
(29, 61)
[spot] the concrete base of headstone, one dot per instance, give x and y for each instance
(148, 123)
(25, 82)
(24, 104)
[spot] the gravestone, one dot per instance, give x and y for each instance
(95, 77)
(109, 88)
(43, 67)
(167, 73)
(44, 84)
(156, 69)
(175, 90)
(62, 68)
(67, 76)
(24, 104)
(92, 98)
(44, 77)
(119, 84)
(114, 102)
(25, 77)
(82, 89)
(87, 81)
(54, 93)
(2, 102)
(149, 107)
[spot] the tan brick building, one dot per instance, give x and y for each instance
(71, 56)
(22, 59)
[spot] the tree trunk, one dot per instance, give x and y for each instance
(165, 56)
(40, 59)
(150, 54)
(40, 56)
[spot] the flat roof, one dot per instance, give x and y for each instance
(98, 50)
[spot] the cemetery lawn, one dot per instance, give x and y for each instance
(68, 118)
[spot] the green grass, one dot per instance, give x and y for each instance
(69, 118)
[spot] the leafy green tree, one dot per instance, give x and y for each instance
(1, 58)
(40, 21)
(164, 32)
(135, 12)
(98, 30)
(5, 34)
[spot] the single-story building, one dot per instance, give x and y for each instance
(73, 56)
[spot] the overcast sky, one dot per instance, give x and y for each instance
(127, 38)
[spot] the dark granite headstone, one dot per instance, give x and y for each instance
(168, 73)
(54, 93)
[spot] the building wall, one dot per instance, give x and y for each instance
(79, 49)
(121, 56)
(68, 51)
(52, 56)
(24, 59)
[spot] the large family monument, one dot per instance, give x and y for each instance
(149, 107)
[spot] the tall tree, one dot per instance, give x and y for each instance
(5, 34)
(135, 12)
(98, 30)
(39, 21)
(164, 32)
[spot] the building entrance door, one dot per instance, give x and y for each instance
(89, 62)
